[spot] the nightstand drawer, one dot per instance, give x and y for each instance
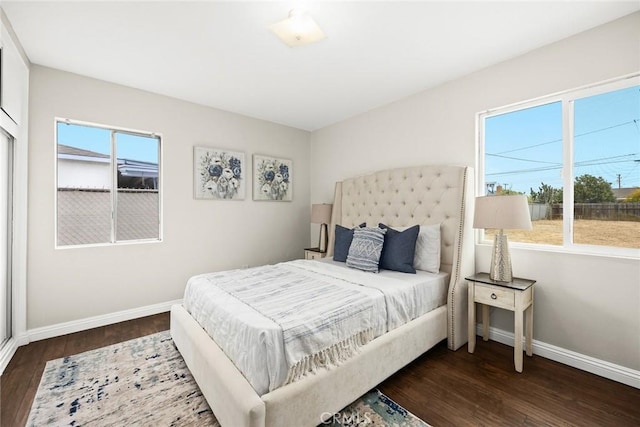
(495, 296)
(313, 253)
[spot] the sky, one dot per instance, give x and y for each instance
(132, 147)
(523, 149)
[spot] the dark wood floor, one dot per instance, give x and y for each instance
(442, 387)
(448, 388)
(20, 380)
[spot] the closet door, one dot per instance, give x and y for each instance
(6, 155)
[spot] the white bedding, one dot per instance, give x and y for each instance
(255, 342)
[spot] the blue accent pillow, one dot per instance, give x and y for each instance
(399, 249)
(365, 249)
(343, 238)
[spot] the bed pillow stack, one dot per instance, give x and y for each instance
(403, 249)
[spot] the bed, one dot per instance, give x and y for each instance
(400, 197)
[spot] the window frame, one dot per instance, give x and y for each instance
(567, 99)
(114, 177)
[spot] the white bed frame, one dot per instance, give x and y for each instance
(399, 197)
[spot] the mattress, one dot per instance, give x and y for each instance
(254, 342)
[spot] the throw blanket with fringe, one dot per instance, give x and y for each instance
(324, 319)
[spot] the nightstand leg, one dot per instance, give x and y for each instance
(528, 332)
(485, 322)
(517, 332)
(471, 329)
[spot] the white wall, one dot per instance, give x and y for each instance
(199, 235)
(83, 174)
(587, 304)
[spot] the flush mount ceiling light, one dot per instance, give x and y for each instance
(298, 29)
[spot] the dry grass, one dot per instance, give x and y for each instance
(624, 234)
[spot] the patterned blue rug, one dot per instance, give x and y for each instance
(146, 382)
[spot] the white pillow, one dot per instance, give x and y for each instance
(427, 256)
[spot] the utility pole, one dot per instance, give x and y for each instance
(619, 178)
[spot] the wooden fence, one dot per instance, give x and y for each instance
(601, 211)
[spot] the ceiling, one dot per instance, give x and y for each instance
(222, 55)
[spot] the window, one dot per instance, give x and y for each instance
(577, 158)
(92, 161)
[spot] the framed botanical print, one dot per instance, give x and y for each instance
(219, 174)
(272, 178)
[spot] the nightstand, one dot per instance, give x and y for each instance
(314, 253)
(516, 296)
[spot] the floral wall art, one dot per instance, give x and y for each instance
(219, 174)
(272, 178)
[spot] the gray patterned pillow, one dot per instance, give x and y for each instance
(365, 249)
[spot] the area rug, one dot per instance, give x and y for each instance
(145, 382)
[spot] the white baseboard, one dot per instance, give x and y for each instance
(97, 321)
(621, 374)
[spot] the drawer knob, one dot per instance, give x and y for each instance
(494, 296)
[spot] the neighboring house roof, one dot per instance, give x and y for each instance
(65, 151)
(623, 193)
(127, 167)
(137, 168)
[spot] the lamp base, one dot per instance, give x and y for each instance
(501, 260)
(323, 241)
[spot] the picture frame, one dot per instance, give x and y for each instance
(219, 174)
(272, 178)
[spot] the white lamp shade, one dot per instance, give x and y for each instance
(321, 214)
(502, 212)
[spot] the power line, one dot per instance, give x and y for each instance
(620, 156)
(548, 168)
(584, 163)
(523, 160)
(607, 128)
(631, 171)
(527, 147)
(634, 121)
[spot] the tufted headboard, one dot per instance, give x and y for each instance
(419, 195)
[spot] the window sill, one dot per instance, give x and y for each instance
(102, 245)
(582, 250)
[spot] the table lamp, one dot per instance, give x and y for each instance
(321, 214)
(502, 212)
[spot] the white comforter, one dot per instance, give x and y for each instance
(253, 336)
